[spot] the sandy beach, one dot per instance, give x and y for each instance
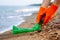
(51, 31)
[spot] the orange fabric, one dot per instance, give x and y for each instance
(50, 13)
(41, 11)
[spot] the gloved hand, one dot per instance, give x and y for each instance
(46, 14)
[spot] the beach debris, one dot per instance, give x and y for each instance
(17, 30)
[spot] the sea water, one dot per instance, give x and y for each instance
(14, 15)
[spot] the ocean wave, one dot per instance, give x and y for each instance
(28, 14)
(19, 16)
(27, 10)
(9, 17)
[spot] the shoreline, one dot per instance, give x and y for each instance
(10, 28)
(27, 18)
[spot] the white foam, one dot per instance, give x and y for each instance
(29, 14)
(27, 10)
(19, 16)
(10, 16)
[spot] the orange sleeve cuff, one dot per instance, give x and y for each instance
(41, 11)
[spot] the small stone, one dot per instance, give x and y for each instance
(56, 33)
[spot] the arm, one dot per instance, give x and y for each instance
(57, 2)
(46, 3)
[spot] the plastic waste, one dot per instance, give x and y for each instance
(17, 30)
